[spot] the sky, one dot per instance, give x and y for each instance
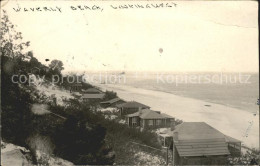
(193, 36)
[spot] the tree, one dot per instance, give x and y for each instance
(81, 140)
(15, 101)
(56, 65)
(11, 40)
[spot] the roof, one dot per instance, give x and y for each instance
(92, 90)
(76, 84)
(148, 114)
(199, 139)
(93, 96)
(138, 113)
(151, 115)
(197, 130)
(111, 101)
(230, 139)
(132, 104)
(166, 116)
(204, 147)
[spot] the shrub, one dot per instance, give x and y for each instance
(110, 95)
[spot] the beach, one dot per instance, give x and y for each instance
(234, 122)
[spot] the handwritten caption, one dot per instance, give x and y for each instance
(94, 7)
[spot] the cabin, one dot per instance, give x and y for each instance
(91, 91)
(197, 143)
(149, 119)
(130, 107)
(92, 97)
(112, 102)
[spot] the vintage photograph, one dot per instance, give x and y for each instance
(129, 83)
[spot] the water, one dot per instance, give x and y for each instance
(231, 92)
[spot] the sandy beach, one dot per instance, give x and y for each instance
(233, 122)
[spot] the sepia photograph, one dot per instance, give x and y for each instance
(129, 83)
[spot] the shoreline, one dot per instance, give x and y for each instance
(187, 96)
(242, 125)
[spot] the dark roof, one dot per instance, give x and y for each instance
(112, 101)
(199, 139)
(132, 104)
(92, 90)
(148, 114)
(93, 96)
(206, 147)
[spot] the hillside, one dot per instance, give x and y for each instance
(49, 122)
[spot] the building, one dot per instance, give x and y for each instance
(92, 91)
(112, 102)
(92, 97)
(197, 143)
(149, 119)
(131, 107)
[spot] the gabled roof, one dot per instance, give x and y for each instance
(148, 114)
(92, 90)
(93, 96)
(199, 139)
(111, 101)
(132, 104)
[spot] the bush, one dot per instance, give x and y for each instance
(110, 95)
(82, 142)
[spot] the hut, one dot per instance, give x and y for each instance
(131, 107)
(197, 143)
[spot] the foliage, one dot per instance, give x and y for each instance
(55, 68)
(110, 95)
(251, 157)
(11, 40)
(178, 121)
(79, 139)
(119, 137)
(85, 137)
(82, 143)
(56, 65)
(16, 113)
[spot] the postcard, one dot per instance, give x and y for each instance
(129, 83)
